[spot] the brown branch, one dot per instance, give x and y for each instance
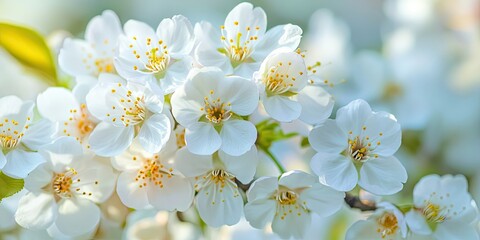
(355, 202)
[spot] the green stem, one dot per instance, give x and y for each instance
(275, 160)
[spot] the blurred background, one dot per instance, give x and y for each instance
(419, 60)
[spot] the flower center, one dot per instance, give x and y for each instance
(152, 172)
(434, 213)
(131, 109)
(286, 198)
(62, 183)
(9, 134)
(180, 136)
(277, 82)
(388, 224)
(361, 148)
(219, 176)
(81, 122)
(216, 111)
(155, 60)
(240, 46)
(104, 65)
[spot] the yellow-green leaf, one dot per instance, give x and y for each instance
(30, 49)
(9, 186)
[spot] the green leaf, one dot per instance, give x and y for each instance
(9, 186)
(30, 49)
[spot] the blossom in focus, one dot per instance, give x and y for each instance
(288, 201)
(210, 106)
(443, 208)
(243, 41)
(387, 222)
(218, 200)
(160, 57)
(285, 92)
(20, 138)
(148, 179)
(126, 110)
(359, 139)
(64, 190)
(95, 54)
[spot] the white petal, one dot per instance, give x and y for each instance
(323, 200)
(10, 105)
(192, 165)
(242, 16)
(20, 163)
(293, 223)
(218, 205)
(241, 93)
(185, 110)
(211, 57)
(130, 192)
(103, 30)
(258, 213)
(417, 223)
(177, 33)
(107, 140)
(363, 230)
(382, 176)
(282, 108)
(335, 171)
(297, 179)
(97, 179)
(238, 136)
(38, 178)
(262, 188)
(176, 194)
(280, 36)
(424, 187)
(201, 138)
(176, 75)
(328, 138)
(36, 211)
(317, 104)
(55, 104)
(353, 116)
(3, 160)
(155, 133)
(391, 134)
(243, 166)
(71, 58)
(39, 134)
(62, 152)
(77, 216)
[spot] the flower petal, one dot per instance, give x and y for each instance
(176, 75)
(353, 116)
(238, 136)
(297, 179)
(55, 104)
(192, 165)
(280, 36)
(20, 163)
(317, 104)
(36, 211)
(382, 176)
(38, 178)
(220, 205)
(328, 138)
(295, 223)
(107, 140)
(282, 108)
(175, 194)
(77, 216)
(39, 134)
(387, 131)
(417, 223)
(177, 33)
(258, 213)
(363, 230)
(449, 231)
(241, 93)
(201, 138)
(323, 200)
(3, 160)
(155, 133)
(243, 166)
(62, 152)
(130, 192)
(262, 188)
(335, 171)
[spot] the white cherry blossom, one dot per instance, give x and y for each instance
(243, 42)
(160, 57)
(288, 201)
(387, 222)
(443, 208)
(285, 91)
(20, 138)
(210, 106)
(63, 190)
(359, 139)
(218, 201)
(126, 110)
(94, 55)
(148, 179)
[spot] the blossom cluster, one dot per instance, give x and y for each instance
(178, 118)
